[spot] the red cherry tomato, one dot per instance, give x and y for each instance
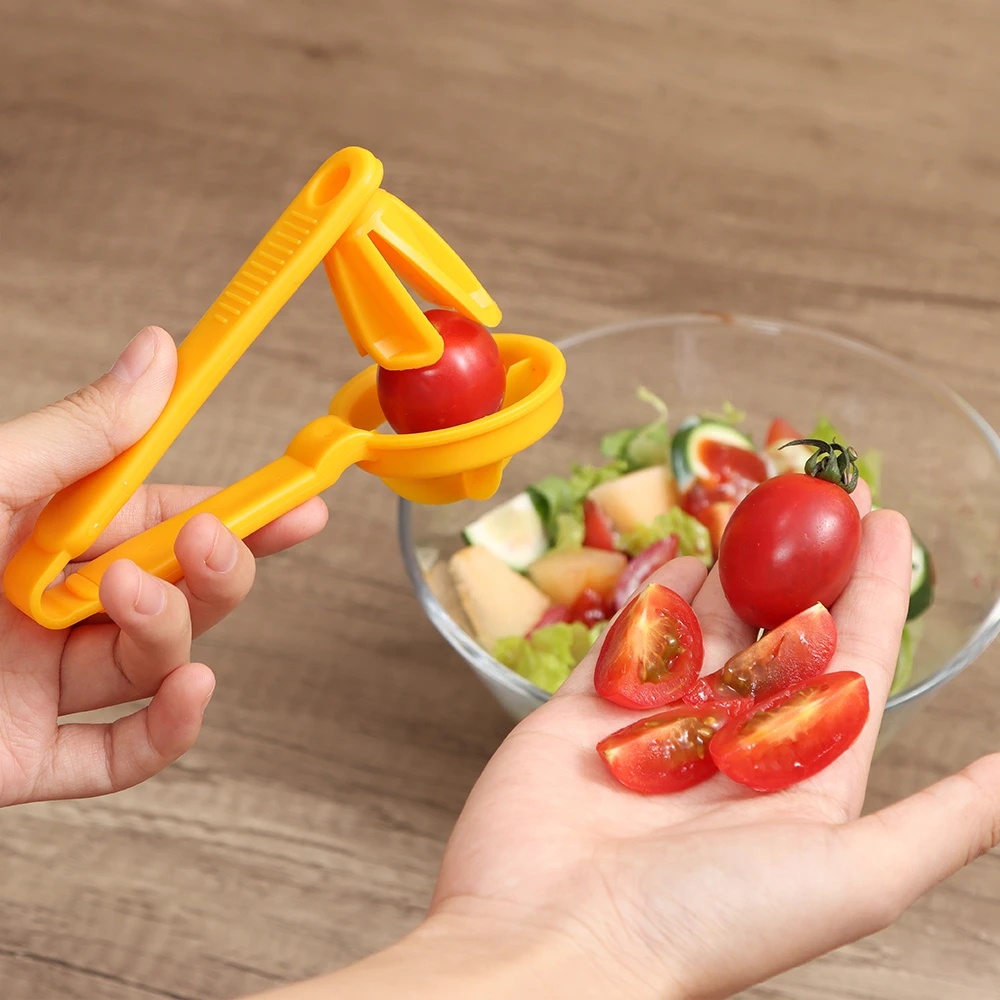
(796, 651)
(589, 608)
(712, 691)
(652, 652)
(641, 568)
(790, 544)
(795, 734)
(667, 752)
(466, 383)
(597, 530)
(781, 431)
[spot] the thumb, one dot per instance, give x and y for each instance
(44, 451)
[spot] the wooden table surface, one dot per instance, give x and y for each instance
(831, 162)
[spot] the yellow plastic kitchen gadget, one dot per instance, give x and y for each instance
(368, 241)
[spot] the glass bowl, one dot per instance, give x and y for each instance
(941, 463)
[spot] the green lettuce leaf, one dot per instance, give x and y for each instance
(641, 447)
(869, 462)
(908, 643)
(729, 415)
(549, 654)
(692, 536)
(569, 530)
(559, 500)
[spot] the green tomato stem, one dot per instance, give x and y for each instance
(831, 461)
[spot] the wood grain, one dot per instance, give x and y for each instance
(834, 162)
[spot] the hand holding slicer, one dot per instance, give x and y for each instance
(367, 240)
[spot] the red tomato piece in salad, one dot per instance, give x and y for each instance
(794, 734)
(667, 752)
(781, 431)
(556, 614)
(467, 382)
(589, 608)
(642, 567)
(728, 463)
(597, 530)
(652, 652)
(796, 651)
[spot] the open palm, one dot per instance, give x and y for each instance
(702, 893)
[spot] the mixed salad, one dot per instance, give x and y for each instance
(539, 577)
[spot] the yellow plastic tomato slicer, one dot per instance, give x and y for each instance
(368, 240)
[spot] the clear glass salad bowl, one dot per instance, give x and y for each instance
(941, 463)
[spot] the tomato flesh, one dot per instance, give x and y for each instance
(795, 734)
(667, 752)
(703, 493)
(796, 651)
(790, 544)
(467, 382)
(652, 652)
(642, 567)
(727, 462)
(712, 691)
(597, 530)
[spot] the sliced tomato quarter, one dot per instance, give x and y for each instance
(667, 752)
(797, 650)
(652, 652)
(795, 734)
(713, 691)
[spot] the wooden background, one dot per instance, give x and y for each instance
(830, 162)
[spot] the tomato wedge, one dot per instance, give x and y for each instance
(667, 752)
(642, 567)
(713, 691)
(795, 734)
(652, 652)
(597, 530)
(795, 651)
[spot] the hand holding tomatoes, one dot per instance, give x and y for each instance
(650, 891)
(466, 383)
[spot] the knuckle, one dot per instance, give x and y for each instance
(93, 411)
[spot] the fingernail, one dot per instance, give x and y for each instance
(137, 357)
(224, 552)
(151, 597)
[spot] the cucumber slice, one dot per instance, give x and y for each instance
(690, 435)
(921, 580)
(513, 532)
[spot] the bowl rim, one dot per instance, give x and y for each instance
(479, 659)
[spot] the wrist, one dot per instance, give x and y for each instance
(455, 955)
